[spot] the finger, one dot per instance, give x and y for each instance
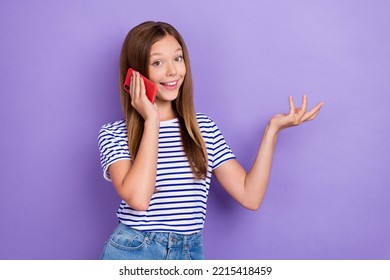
(302, 110)
(292, 106)
(313, 112)
(142, 87)
(136, 85)
(318, 109)
(312, 117)
(132, 85)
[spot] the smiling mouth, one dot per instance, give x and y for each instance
(170, 84)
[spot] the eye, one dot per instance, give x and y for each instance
(157, 63)
(179, 58)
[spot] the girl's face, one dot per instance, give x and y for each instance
(167, 68)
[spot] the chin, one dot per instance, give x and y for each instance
(168, 96)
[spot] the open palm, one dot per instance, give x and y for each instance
(296, 116)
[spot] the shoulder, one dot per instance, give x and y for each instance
(204, 120)
(116, 125)
(116, 129)
(207, 126)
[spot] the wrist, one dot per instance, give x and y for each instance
(152, 122)
(271, 129)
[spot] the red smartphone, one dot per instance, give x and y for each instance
(151, 88)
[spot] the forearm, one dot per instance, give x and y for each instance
(256, 180)
(139, 182)
(249, 188)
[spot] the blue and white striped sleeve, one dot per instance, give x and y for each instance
(112, 147)
(221, 150)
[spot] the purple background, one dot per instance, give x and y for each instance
(328, 196)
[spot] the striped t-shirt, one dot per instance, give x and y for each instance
(179, 203)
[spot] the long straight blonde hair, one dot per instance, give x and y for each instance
(136, 53)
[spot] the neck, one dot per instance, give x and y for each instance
(165, 110)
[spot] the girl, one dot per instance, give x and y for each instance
(160, 157)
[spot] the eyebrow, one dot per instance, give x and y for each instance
(157, 54)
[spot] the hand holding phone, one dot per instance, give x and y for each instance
(150, 87)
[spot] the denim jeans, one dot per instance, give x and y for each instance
(127, 243)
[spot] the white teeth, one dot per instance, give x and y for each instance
(171, 83)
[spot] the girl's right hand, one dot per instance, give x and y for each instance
(140, 101)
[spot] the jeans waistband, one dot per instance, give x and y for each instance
(171, 239)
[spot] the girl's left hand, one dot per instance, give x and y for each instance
(296, 116)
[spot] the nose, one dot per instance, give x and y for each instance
(171, 70)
